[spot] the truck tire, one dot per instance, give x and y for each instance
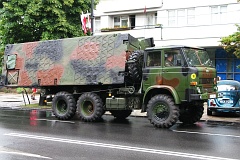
(162, 112)
(121, 114)
(90, 107)
(64, 106)
(191, 113)
(135, 68)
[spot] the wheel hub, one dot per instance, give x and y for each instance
(88, 108)
(161, 112)
(61, 107)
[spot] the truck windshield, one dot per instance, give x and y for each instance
(197, 57)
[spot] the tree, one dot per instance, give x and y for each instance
(34, 20)
(231, 43)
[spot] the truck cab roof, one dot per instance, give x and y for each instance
(170, 47)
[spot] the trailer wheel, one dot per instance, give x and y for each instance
(135, 68)
(191, 113)
(64, 106)
(121, 114)
(90, 107)
(162, 112)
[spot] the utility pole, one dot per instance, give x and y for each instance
(92, 16)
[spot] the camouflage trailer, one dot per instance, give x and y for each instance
(116, 73)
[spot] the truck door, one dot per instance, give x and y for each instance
(153, 68)
(174, 72)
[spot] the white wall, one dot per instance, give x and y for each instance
(175, 4)
(202, 33)
(106, 21)
(124, 6)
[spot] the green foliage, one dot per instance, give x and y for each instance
(1, 58)
(19, 90)
(36, 106)
(231, 43)
(34, 20)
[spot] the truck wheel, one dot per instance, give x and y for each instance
(64, 106)
(162, 112)
(121, 114)
(90, 107)
(191, 113)
(135, 68)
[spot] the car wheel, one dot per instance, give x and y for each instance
(209, 112)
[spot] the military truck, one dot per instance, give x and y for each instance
(117, 73)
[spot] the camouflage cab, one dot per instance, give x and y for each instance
(177, 80)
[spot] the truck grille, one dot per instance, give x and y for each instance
(206, 81)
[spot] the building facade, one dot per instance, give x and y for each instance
(199, 23)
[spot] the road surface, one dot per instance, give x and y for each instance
(36, 135)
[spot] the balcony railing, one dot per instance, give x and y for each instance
(129, 28)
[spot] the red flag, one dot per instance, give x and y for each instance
(145, 10)
(84, 25)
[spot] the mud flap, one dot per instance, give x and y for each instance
(42, 100)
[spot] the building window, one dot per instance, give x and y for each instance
(191, 16)
(117, 22)
(151, 20)
(226, 65)
(132, 19)
(171, 18)
(218, 14)
(181, 17)
(121, 21)
(97, 25)
(155, 18)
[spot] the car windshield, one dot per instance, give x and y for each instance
(197, 57)
(226, 87)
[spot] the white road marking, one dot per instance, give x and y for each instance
(209, 134)
(120, 147)
(25, 154)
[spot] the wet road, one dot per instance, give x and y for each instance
(35, 135)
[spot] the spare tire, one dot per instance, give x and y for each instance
(135, 66)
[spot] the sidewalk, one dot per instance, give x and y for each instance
(15, 101)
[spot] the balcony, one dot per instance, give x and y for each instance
(115, 29)
(129, 28)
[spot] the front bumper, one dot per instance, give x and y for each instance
(224, 109)
(202, 97)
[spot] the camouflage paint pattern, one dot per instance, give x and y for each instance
(70, 61)
(177, 79)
